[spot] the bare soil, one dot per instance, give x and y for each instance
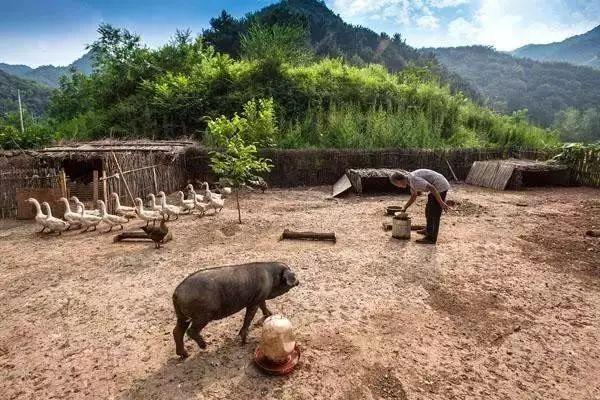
(506, 306)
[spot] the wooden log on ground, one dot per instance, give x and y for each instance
(387, 226)
(592, 233)
(327, 236)
(138, 236)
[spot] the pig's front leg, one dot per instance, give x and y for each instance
(250, 312)
(266, 312)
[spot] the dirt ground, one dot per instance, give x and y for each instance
(506, 306)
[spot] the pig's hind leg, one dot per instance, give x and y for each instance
(194, 332)
(178, 332)
(250, 313)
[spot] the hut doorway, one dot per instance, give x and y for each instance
(81, 170)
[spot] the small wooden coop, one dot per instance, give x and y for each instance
(513, 174)
(90, 171)
(366, 180)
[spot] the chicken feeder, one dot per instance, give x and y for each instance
(278, 353)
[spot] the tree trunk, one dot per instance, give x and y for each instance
(237, 199)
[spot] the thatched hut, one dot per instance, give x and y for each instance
(90, 171)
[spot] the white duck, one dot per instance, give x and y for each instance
(153, 205)
(124, 211)
(40, 217)
(224, 191)
(185, 205)
(110, 219)
(70, 216)
(190, 189)
(208, 193)
(87, 212)
(87, 220)
(168, 209)
(200, 206)
(53, 223)
(146, 215)
(216, 203)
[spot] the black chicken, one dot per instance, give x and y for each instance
(157, 233)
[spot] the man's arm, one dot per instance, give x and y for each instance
(437, 196)
(413, 197)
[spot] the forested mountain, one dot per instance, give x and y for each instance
(49, 75)
(34, 96)
(511, 83)
(293, 74)
(330, 36)
(580, 50)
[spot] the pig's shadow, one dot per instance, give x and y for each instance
(229, 364)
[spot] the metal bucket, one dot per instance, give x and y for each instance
(401, 226)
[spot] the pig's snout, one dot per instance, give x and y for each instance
(289, 278)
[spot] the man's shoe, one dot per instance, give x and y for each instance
(425, 240)
(422, 232)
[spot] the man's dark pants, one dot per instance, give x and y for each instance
(433, 212)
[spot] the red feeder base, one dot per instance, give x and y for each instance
(274, 368)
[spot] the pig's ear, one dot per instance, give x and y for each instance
(288, 277)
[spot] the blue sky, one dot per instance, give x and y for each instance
(37, 32)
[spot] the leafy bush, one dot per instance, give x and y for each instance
(36, 133)
(257, 125)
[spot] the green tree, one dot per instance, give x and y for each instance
(256, 125)
(237, 165)
(276, 43)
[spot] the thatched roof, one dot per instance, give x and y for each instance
(101, 148)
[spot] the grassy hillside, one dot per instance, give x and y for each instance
(49, 75)
(329, 36)
(34, 97)
(511, 84)
(580, 50)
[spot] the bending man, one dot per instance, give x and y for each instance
(425, 180)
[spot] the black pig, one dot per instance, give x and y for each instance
(216, 293)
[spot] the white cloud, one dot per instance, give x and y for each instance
(448, 3)
(428, 22)
(509, 24)
(504, 24)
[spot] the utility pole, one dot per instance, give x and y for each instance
(20, 111)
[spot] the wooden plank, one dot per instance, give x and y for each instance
(505, 171)
(341, 186)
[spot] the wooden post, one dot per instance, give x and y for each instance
(123, 177)
(105, 190)
(20, 111)
(154, 177)
(95, 187)
(63, 183)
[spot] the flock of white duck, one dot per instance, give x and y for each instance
(89, 219)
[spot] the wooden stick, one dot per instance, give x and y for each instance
(154, 177)
(451, 170)
(287, 234)
(124, 180)
(129, 171)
